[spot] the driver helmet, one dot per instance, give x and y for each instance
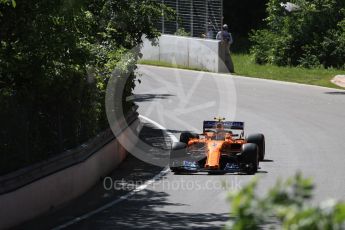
(219, 127)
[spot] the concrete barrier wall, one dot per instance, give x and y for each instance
(61, 187)
(186, 51)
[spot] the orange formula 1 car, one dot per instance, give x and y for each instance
(221, 148)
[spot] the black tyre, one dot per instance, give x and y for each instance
(177, 155)
(259, 140)
(250, 158)
(184, 137)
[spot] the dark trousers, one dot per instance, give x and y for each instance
(226, 57)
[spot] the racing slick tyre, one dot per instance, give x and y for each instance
(185, 136)
(177, 155)
(258, 139)
(250, 158)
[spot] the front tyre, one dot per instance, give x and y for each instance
(259, 140)
(249, 158)
(186, 136)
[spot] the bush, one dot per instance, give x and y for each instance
(287, 204)
(55, 61)
(311, 36)
(182, 32)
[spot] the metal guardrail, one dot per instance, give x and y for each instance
(22, 177)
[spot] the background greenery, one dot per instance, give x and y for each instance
(246, 66)
(312, 36)
(55, 59)
(287, 205)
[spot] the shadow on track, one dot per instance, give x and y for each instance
(129, 216)
(267, 160)
(150, 97)
(336, 93)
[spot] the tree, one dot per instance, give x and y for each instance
(55, 60)
(311, 36)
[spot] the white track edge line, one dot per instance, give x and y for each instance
(126, 196)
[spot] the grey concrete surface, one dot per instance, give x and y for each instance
(304, 128)
(186, 51)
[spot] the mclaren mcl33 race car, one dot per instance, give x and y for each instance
(221, 148)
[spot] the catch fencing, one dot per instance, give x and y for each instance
(199, 18)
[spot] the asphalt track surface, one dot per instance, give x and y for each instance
(304, 128)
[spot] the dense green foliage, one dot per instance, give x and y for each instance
(286, 205)
(312, 36)
(55, 60)
(182, 32)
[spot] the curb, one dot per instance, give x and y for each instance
(339, 80)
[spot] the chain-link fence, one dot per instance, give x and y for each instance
(199, 18)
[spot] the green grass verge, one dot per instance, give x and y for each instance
(244, 66)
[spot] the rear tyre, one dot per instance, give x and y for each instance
(250, 158)
(186, 136)
(259, 140)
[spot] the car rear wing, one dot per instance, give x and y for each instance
(212, 125)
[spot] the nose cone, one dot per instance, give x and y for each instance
(213, 156)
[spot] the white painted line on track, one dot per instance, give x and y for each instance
(126, 196)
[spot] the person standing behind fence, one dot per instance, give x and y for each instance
(226, 41)
(210, 30)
